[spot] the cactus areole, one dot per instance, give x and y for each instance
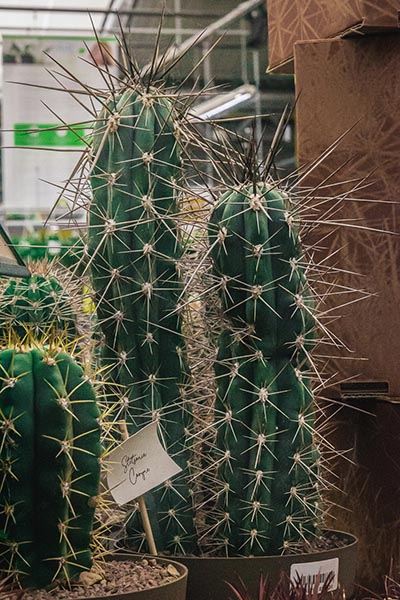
(49, 466)
(268, 500)
(133, 251)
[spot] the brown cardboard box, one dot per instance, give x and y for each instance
(291, 21)
(354, 84)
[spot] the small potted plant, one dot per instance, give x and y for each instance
(26, 55)
(11, 57)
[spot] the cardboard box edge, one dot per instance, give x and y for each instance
(359, 29)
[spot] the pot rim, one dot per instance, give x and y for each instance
(353, 542)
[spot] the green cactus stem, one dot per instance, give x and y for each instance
(268, 500)
(134, 248)
(37, 305)
(49, 466)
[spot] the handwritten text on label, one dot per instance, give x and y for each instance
(138, 465)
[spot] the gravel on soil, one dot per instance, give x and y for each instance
(329, 541)
(114, 577)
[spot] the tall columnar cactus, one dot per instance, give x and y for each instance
(37, 305)
(266, 451)
(49, 466)
(134, 248)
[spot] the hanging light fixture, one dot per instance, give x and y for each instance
(222, 103)
(11, 264)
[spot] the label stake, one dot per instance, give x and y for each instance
(142, 504)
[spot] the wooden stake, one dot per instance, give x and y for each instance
(142, 504)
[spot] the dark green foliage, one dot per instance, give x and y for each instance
(49, 466)
(68, 251)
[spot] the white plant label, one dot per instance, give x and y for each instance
(138, 465)
(309, 571)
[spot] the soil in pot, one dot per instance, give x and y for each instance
(115, 579)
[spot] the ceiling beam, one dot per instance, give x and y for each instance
(220, 24)
(27, 30)
(106, 11)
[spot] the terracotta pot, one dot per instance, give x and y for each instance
(175, 590)
(208, 575)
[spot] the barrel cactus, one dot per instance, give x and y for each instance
(49, 464)
(39, 304)
(266, 451)
(134, 247)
